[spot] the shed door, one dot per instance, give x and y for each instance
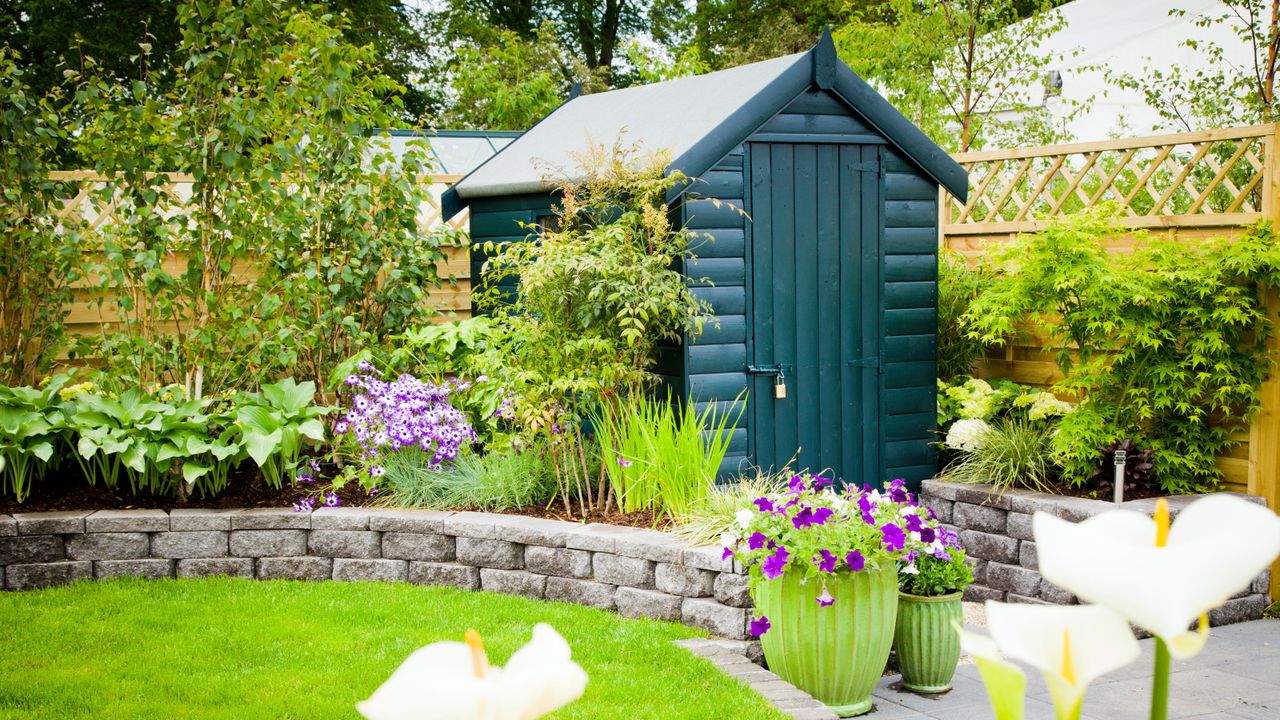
(815, 298)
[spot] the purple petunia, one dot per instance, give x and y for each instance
(820, 482)
(797, 484)
(728, 553)
(759, 626)
(825, 599)
(898, 491)
(763, 504)
(913, 523)
(826, 561)
(774, 565)
(756, 541)
(927, 535)
(894, 538)
(855, 561)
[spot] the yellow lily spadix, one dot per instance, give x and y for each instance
(1161, 577)
(454, 681)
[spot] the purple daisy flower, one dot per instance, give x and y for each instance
(825, 599)
(759, 626)
(855, 561)
(894, 538)
(775, 564)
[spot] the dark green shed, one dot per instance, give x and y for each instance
(827, 287)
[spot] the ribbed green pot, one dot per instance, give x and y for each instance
(927, 644)
(838, 653)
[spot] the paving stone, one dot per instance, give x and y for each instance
(190, 519)
(107, 546)
(617, 570)
(719, 619)
(32, 549)
(684, 581)
(581, 592)
(452, 574)
(270, 519)
(982, 593)
(152, 568)
(294, 568)
(194, 544)
(117, 521)
(28, 576)
(1239, 610)
(1013, 579)
(411, 521)
(632, 603)
(8, 526)
(649, 545)
(62, 522)
(417, 546)
(1054, 594)
(340, 518)
(941, 508)
(1027, 555)
(1018, 525)
(533, 531)
(980, 517)
(707, 557)
(210, 567)
(560, 561)
(497, 554)
(990, 547)
(345, 543)
(513, 582)
(268, 543)
(361, 570)
(733, 590)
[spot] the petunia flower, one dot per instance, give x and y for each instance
(826, 561)
(894, 538)
(774, 565)
(759, 626)
(797, 484)
(454, 681)
(756, 541)
(855, 561)
(825, 599)
(763, 504)
(1159, 577)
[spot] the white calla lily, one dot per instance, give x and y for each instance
(454, 681)
(1006, 683)
(1158, 577)
(1071, 645)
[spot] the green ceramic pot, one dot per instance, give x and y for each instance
(838, 653)
(927, 644)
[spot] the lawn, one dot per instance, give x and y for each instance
(226, 648)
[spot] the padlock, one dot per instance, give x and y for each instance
(779, 387)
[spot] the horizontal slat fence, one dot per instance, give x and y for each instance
(1189, 185)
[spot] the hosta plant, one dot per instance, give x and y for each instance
(32, 424)
(273, 423)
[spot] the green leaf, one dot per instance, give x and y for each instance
(192, 472)
(262, 446)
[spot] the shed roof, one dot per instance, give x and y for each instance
(698, 120)
(455, 152)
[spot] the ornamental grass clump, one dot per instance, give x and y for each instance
(818, 532)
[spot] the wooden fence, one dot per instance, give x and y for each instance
(1189, 185)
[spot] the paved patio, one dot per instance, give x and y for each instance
(1236, 676)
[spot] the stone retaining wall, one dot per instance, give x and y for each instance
(996, 534)
(638, 573)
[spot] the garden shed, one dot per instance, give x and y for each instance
(818, 203)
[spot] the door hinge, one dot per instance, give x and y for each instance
(871, 166)
(870, 362)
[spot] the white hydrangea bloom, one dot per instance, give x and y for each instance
(1046, 405)
(968, 434)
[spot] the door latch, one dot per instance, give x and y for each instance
(779, 373)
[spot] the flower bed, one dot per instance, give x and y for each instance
(995, 531)
(638, 573)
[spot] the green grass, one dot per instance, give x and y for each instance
(224, 648)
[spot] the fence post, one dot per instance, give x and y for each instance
(1264, 435)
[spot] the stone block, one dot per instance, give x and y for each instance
(294, 568)
(210, 567)
(451, 574)
(1027, 555)
(732, 589)
(715, 618)
(194, 544)
(33, 549)
(985, 495)
(345, 544)
(707, 557)
(270, 519)
(469, 524)
(581, 592)
(417, 546)
(597, 537)
(979, 568)
(193, 519)
(107, 546)
(1025, 599)
(340, 518)
(941, 489)
(410, 521)
(990, 547)
(533, 531)
(118, 521)
(1262, 583)
(979, 517)
(1054, 594)
(617, 570)
(685, 581)
(1013, 579)
(497, 554)
(649, 545)
(1018, 525)
(8, 526)
(560, 561)
(1074, 509)
(943, 509)
(152, 568)
(634, 603)
(362, 570)
(1239, 610)
(268, 543)
(982, 593)
(513, 582)
(1028, 502)
(28, 576)
(62, 522)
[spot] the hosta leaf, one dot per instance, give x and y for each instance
(262, 446)
(258, 419)
(192, 472)
(313, 429)
(135, 457)
(43, 450)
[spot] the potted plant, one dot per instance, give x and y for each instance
(930, 587)
(823, 577)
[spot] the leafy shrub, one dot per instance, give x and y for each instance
(491, 481)
(1167, 343)
(32, 424)
(935, 576)
(1010, 453)
(971, 404)
(958, 286)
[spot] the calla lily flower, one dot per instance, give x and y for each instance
(1071, 645)
(1159, 577)
(454, 681)
(1006, 683)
